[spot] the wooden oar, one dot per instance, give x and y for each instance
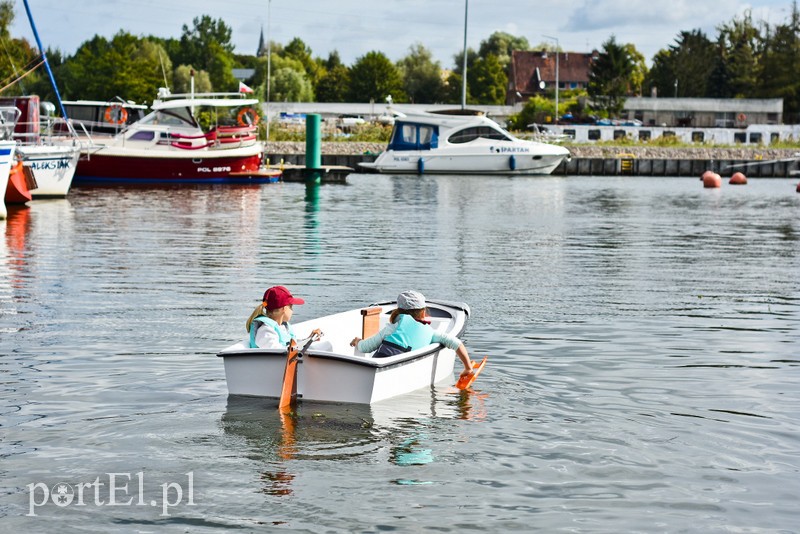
(466, 381)
(289, 387)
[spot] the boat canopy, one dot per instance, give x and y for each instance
(414, 136)
(211, 102)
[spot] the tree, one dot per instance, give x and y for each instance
(334, 83)
(182, 80)
(207, 46)
(298, 50)
(374, 77)
(18, 55)
(487, 80)
(422, 76)
(684, 69)
(639, 68)
(501, 45)
(780, 63)
(290, 85)
(610, 77)
(738, 47)
(126, 66)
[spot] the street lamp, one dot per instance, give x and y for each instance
(464, 70)
(557, 54)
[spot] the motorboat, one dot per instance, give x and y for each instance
(207, 138)
(461, 144)
(333, 371)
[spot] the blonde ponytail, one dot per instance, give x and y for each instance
(260, 310)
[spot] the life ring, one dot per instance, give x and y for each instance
(741, 117)
(116, 114)
(251, 113)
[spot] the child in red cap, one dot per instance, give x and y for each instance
(268, 325)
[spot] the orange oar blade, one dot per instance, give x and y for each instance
(289, 388)
(466, 381)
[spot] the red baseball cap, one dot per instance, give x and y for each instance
(278, 297)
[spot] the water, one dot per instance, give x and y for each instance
(642, 333)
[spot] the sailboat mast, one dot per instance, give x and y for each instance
(47, 67)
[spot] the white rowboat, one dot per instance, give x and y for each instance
(333, 371)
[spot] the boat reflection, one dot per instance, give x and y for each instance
(397, 431)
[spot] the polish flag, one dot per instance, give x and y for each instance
(244, 89)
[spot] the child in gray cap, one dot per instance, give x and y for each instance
(408, 330)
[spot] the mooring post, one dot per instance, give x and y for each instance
(313, 148)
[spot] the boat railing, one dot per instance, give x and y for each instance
(8, 120)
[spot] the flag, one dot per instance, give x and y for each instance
(244, 89)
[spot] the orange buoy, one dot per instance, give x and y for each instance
(711, 179)
(706, 174)
(798, 188)
(738, 179)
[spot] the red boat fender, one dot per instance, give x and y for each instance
(18, 190)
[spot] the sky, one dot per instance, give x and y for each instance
(354, 27)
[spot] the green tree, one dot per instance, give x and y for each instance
(18, 55)
(487, 80)
(182, 80)
(639, 68)
(298, 50)
(126, 66)
(374, 77)
(780, 63)
(334, 84)
(501, 45)
(422, 76)
(685, 67)
(207, 46)
(610, 77)
(291, 85)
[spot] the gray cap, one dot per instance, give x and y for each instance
(411, 300)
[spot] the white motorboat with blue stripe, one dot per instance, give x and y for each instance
(424, 143)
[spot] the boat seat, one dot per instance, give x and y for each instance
(370, 321)
(370, 325)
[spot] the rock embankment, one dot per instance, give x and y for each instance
(578, 151)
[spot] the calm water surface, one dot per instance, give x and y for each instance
(642, 333)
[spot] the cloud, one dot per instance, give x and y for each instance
(592, 15)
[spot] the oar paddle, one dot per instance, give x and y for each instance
(466, 381)
(289, 387)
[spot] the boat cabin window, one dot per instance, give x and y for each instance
(412, 136)
(470, 134)
(142, 135)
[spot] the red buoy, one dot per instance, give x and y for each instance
(711, 180)
(738, 179)
(798, 188)
(705, 175)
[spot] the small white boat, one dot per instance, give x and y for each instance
(462, 144)
(339, 373)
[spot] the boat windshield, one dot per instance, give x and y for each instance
(414, 136)
(171, 117)
(470, 134)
